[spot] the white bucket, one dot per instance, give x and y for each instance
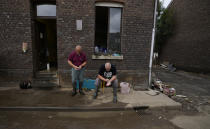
(125, 87)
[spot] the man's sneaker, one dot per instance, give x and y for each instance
(74, 93)
(115, 99)
(95, 96)
(81, 92)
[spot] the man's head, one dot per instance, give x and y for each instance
(108, 66)
(78, 49)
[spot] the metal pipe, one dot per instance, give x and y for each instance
(152, 44)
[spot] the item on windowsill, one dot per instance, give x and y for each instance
(105, 52)
(96, 49)
(101, 49)
(115, 54)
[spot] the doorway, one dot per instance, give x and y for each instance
(46, 44)
(45, 37)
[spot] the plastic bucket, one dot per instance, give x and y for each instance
(125, 87)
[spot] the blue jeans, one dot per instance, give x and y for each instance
(77, 75)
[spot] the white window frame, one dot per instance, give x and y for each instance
(51, 6)
(109, 4)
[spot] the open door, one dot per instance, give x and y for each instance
(46, 44)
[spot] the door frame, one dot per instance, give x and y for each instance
(34, 30)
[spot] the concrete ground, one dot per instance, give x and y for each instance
(56, 97)
(61, 97)
(194, 112)
(196, 105)
(84, 120)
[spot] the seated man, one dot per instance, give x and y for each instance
(107, 73)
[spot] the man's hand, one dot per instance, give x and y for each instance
(108, 83)
(72, 65)
(76, 68)
(106, 80)
(80, 67)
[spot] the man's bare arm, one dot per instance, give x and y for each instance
(72, 65)
(113, 78)
(83, 64)
(102, 78)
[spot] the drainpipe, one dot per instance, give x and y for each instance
(152, 45)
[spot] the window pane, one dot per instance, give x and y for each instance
(115, 29)
(115, 20)
(46, 10)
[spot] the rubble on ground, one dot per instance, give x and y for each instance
(164, 88)
(168, 66)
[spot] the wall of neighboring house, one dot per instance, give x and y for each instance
(15, 28)
(137, 21)
(189, 47)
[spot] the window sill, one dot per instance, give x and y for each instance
(102, 57)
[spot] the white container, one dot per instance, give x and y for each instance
(96, 49)
(125, 87)
(48, 66)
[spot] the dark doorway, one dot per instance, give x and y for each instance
(46, 44)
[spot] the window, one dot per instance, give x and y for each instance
(108, 27)
(46, 10)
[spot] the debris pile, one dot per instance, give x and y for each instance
(168, 66)
(164, 88)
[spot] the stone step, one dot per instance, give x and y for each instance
(38, 75)
(41, 85)
(47, 72)
(46, 79)
(46, 76)
(44, 83)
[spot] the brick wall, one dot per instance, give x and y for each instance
(137, 21)
(189, 47)
(15, 28)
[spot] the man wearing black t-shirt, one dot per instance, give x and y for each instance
(108, 74)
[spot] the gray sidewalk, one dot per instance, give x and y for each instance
(61, 97)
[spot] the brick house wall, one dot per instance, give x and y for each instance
(15, 28)
(189, 47)
(137, 23)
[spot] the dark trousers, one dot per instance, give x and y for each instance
(114, 85)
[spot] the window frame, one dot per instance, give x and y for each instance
(111, 5)
(45, 17)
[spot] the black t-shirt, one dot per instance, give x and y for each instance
(107, 74)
